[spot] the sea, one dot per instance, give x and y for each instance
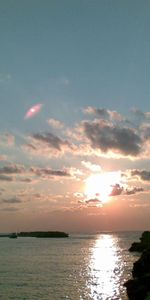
(83, 266)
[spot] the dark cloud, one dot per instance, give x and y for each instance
(134, 190)
(117, 190)
(37, 195)
(27, 180)
(5, 178)
(49, 172)
(9, 209)
(105, 136)
(103, 113)
(50, 140)
(93, 202)
(142, 174)
(30, 146)
(12, 200)
(12, 169)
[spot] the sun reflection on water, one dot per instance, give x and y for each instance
(105, 269)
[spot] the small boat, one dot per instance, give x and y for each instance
(13, 235)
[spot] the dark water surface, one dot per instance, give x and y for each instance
(90, 267)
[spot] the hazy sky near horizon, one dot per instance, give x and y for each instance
(82, 162)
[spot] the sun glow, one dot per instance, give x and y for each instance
(100, 186)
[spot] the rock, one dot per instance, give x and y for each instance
(143, 244)
(138, 288)
(145, 238)
(142, 266)
(137, 247)
(135, 291)
(148, 297)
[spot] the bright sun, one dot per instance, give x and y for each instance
(100, 186)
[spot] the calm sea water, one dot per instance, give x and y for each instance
(90, 267)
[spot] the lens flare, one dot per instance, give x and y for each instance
(34, 110)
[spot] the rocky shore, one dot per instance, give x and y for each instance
(138, 288)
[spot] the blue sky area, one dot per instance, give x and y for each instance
(73, 54)
(73, 57)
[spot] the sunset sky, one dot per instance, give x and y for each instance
(75, 115)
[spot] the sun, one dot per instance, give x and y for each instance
(100, 186)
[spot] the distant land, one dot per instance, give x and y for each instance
(44, 234)
(38, 234)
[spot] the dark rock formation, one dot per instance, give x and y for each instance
(138, 288)
(44, 234)
(143, 244)
(142, 265)
(135, 290)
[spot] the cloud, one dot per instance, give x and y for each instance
(142, 174)
(50, 140)
(7, 139)
(117, 190)
(114, 135)
(10, 209)
(5, 178)
(78, 195)
(145, 131)
(55, 123)
(95, 200)
(109, 135)
(27, 180)
(27, 175)
(7, 173)
(134, 190)
(91, 167)
(49, 172)
(12, 200)
(105, 137)
(103, 113)
(12, 169)
(140, 115)
(47, 144)
(30, 146)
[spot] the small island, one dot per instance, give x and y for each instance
(43, 234)
(36, 234)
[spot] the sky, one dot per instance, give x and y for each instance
(75, 115)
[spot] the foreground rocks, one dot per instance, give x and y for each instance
(138, 288)
(143, 244)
